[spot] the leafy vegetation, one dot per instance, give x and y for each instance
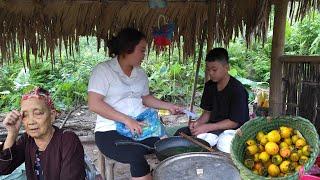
(67, 82)
(304, 38)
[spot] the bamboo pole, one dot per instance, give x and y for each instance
(212, 15)
(300, 59)
(197, 73)
(278, 40)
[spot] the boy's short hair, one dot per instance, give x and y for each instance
(218, 54)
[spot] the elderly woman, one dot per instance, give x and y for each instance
(48, 152)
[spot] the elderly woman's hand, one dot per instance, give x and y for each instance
(12, 122)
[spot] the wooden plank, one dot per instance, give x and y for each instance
(299, 59)
(311, 83)
(87, 139)
(292, 104)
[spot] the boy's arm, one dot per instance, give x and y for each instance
(204, 118)
(239, 111)
(222, 125)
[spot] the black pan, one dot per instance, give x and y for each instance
(171, 146)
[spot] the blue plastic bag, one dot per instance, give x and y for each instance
(152, 128)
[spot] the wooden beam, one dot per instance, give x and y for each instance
(278, 40)
(299, 59)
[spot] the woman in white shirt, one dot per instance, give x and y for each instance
(118, 90)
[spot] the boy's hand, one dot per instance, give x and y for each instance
(193, 124)
(203, 128)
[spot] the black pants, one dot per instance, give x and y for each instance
(129, 154)
(187, 131)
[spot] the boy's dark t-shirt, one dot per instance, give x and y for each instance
(230, 103)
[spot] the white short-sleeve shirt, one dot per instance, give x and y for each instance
(121, 92)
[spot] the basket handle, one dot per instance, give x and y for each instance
(270, 118)
(239, 132)
(165, 21)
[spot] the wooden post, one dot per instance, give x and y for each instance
(276, 100)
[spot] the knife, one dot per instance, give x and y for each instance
(190, 114)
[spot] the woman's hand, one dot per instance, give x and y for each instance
(174, 109)
(134, 126)
(12, 122)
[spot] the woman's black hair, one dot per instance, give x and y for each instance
(125, 42)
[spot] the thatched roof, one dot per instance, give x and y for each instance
(40, 26)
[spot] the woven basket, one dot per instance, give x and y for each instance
(252, 127)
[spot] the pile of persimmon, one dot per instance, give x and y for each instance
(277, 153)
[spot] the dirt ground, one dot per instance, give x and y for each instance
(82, 122)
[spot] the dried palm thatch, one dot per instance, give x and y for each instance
(38, 27)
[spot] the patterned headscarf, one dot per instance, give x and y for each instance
(39, 93)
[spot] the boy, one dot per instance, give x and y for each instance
(224, 100)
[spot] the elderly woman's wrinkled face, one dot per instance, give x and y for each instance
(37, 117)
